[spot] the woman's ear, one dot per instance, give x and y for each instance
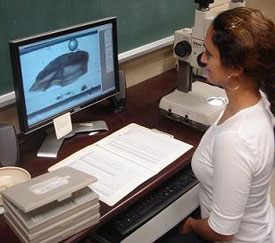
(237, 72)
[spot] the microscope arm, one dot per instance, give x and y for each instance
(184, 76)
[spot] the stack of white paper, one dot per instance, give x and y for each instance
(125, 159)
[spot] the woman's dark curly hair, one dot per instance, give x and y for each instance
(246, 39)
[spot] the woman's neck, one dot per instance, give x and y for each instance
(246, 96)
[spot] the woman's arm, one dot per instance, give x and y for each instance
(232, 174)
(202, 228)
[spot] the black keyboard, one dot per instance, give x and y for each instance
(146, 208)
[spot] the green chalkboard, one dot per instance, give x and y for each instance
(139, 22)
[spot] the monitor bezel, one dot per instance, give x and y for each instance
(17, 74)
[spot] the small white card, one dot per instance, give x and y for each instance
(62, 125)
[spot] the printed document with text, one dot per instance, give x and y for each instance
(124, 160)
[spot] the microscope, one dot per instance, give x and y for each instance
(195, 102)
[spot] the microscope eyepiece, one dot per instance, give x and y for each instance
(204, 4)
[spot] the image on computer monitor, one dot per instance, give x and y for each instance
(64, 70)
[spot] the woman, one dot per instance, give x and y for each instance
(234, 161)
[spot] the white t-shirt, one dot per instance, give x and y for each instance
(234, 163)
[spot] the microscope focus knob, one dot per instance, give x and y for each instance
(183, 49)
(200, 63)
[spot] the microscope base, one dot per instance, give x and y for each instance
(199, 108)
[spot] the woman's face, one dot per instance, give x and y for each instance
(216, 73)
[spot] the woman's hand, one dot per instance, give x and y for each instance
(186, 226)
(201, 227)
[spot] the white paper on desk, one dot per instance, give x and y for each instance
(124, 160)
(116, 176)
(144, 147)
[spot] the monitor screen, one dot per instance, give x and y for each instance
(64, 71)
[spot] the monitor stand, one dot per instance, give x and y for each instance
(51, 145)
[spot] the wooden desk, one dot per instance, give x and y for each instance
(142, 103)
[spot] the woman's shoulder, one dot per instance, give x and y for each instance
(250, 121)
(252, 128)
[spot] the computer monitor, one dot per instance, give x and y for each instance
(65, 70)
